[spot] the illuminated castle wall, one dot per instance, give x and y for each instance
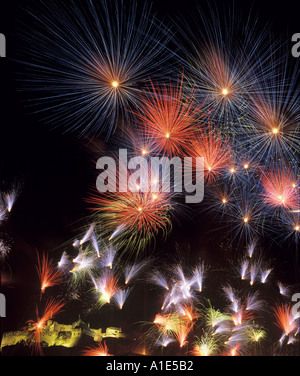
(56, 334)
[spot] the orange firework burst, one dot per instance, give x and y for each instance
(48, 275)
(189, 312)
(173, 323)
(169, 119)
(100, 350)
(52, 308)
(280, 189)
(182, 331)
(135, 217)
(284, 318)
(167, 322)
(215, 151)
(235, 350)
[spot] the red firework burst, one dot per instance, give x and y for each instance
(141, 211)
(215, 151)
(52, 308)
(280, 189)
(284, 318)
(169, 119)
(136, 216)
(48, 275)
(100, 350)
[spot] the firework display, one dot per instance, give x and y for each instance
(163, 276)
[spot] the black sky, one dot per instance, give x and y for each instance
(57, 171)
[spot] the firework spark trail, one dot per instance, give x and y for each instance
(168, 323)
(236, 308)
(251, 248)
(283, 289)
(237, 340)
(64, 261)
(174, 324)
(170, 298)
(100, 350)
(52, 308)
(164, 341)
(159, 279)
(253, 302)
(131, 271)
(254, 270)
(182, 331)
(215, 319)
(106, 285)
(4, 250)
(244, 269)
(199, 275)
(9, 198)
(121, 296)
(284, 318)
(108, 257)
(95, 243)
(183, 282)
(88, 235)
(84, 265)
(256, 334)
(7, 201)
(48, 275)
(207, 345)
(230, 293)
(264, 275)
(234, 350)
(188, 312)
(3, 212)
(117, 231)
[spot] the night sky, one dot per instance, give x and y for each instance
(57, 173)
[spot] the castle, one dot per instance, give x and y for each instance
(55, 334)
